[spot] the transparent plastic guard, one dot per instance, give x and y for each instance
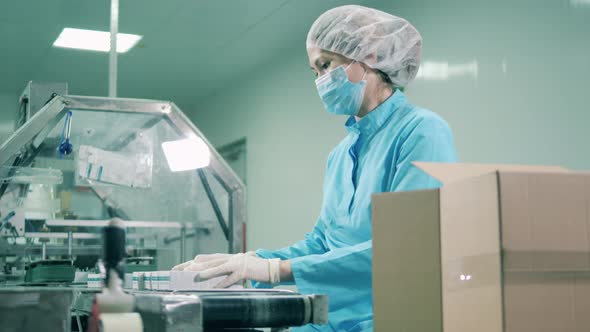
(29, 175)
(131, 167)
(152, 169)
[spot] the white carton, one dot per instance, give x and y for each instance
(95, 280)
(186, 281)
(135, 278)
(153, 281)
(81, 277)
(156, 280)
(128, 281)
(176, 281)
(147, 279)
(141, 280)
(164, 280)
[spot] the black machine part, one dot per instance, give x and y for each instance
(114, 247)
(253, 311)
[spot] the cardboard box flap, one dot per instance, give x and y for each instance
(450, 172)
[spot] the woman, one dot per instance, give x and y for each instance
(361, 57)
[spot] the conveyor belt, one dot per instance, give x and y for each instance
(257, 308)
(231, 311)
(208, 310)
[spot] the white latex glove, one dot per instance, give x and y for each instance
(241, 267)
(201, 262)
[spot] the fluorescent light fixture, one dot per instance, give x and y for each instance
(93, 40)
(442, 71)
(186, 154)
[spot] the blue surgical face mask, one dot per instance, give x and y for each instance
(339, 94)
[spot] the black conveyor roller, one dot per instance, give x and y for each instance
(253, 311)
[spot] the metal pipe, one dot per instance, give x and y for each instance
(35, 131)
(182, 243)
(104, 223)
(119, 105)
(170, 239)
(75, 235)
(70, 242)
(214, 204)
(44, 251)
(69, 126)
(113, 51)
(231, 222)
(78, 321)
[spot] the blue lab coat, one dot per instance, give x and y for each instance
(376, 156)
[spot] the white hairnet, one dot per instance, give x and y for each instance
(382, 41)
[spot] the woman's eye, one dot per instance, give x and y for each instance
(325, 66)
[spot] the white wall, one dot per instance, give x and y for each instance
(527, 104)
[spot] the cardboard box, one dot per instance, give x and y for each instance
(496, 248)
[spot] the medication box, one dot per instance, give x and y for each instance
(184, 281)
(95, 280)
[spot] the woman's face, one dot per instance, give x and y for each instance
(322, 61)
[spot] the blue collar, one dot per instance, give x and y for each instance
(371, 122)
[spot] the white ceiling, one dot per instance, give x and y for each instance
(190, 48)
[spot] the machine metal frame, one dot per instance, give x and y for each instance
(28, 138)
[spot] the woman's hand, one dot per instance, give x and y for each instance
(238, 268)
